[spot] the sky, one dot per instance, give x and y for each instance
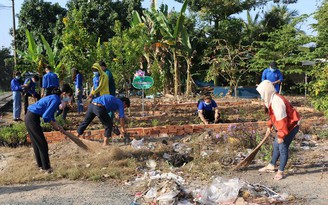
(303, 7)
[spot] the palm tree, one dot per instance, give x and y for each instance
(277, 17)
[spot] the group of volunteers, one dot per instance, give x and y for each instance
(283, 118)
(55, 98)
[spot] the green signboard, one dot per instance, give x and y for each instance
(143, 82)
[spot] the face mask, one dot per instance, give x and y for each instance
(65, 99)
(273, 69)
(207, 103)
(96, 73)
(17, 77)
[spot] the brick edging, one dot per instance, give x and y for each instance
(159, 131)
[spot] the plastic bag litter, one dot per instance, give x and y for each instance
(151, 164)
(167, 198)
(181, 148)
(184, 202)
(220, 191)
(169, 175)
(137, 144)
(151, 193)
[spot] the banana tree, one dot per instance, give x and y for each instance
(33, 54)
(156, 53)
(180, 36)
(52, 57)
(171, 39)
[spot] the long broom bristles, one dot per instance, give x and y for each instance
(251, 156)
(84, 144)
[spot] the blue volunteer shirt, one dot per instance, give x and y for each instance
(16, 85)
(78, 81)
(46, 107)
(272, 77)
(30, 86)
(203, 106)
(95, 82)
(50, 80)
(111, 103)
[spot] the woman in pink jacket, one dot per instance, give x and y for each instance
(284, 118)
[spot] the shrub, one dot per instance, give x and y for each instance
(13, 135)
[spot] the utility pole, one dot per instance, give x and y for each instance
(14, 32)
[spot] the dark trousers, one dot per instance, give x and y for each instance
(40, 145)
(209, 115)
(103, 116)
(49, 90)
(26, 95)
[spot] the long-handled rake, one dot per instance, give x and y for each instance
(252, 155)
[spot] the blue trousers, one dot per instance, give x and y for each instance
(280, 151)
(17, 104)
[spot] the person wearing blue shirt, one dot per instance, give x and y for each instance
(274, 75)
(29, 90)
(49, 82)
(45, 108)
(16, 87)
(99, 107)
(78, 81)
(208, 110)
(111, 82)
(95, 81)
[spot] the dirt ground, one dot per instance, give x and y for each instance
(65, 192)
(306, 181)
(101, 178)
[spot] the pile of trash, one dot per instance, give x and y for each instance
(157, 188)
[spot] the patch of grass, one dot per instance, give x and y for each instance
(266, 149)
(154, 122)
(323, 134)
(13, 135)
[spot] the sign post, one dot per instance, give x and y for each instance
(142, 83)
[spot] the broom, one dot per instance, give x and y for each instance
(251, 156)
(84, 144)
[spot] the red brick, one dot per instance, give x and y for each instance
(154, 132)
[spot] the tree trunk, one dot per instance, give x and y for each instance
(177, 87)
(153, 4)
(188, 83)
(216, 81)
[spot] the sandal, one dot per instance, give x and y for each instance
(268, 169)
(280, 175)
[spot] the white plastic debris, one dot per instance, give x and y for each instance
(181, 148)
(220, 191)
(167, 198)
(151, 164)
(167, 156)
(137, 144)
(151, 193)
(184, 202)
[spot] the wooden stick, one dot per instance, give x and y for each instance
(76, 140)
